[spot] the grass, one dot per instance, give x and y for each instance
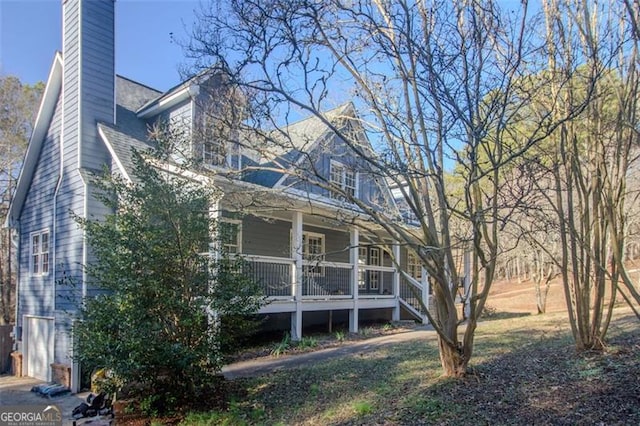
(524, 371)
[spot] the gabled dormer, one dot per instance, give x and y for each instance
(330, 166)
(199, 121)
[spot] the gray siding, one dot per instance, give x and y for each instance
(266, 238)
(62, 338)
(88, 90)
(272, 238)
(97, 79)
(179, 119)
(369, 190)
(37, 292)
(336, 243)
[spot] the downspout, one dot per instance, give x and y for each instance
(54, 226)
(16, 225)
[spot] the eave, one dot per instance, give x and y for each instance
(167, 101)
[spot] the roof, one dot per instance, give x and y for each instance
(129, 132)
(287, 144)
(178, 93)
(302, 135)
(132, 95)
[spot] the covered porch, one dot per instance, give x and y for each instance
(306, 262)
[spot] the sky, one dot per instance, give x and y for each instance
(30, 34)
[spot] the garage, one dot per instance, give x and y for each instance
(39, 346)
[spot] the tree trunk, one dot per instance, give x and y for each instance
(452, 360)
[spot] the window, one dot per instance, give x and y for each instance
(414, 266)
(362, 274)
(231, 236)
(313, 252)
(40, 253)
(343, 178)
(374, 276)
(213, 153)
(369, 280)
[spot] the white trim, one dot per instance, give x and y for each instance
(113, 154)
(40, 233)
(169, 101)
(323, 201)
(238, 244)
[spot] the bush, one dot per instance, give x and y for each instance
(155, 326)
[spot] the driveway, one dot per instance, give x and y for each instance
(17, 391)
(265, 365)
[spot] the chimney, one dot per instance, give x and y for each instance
(88, 49)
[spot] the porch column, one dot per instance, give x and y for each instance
(214, 258)
(424, 281)
(296, 275)
(354, 242)
(395, 314)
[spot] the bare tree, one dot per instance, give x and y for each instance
(592, 62)
(436, 86)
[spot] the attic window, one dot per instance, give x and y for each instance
(345, 179)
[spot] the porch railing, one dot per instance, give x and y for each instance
(411, 293)
(375, 281)
(273, 273)
(326, 279)
(319, 279)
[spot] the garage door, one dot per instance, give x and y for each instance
(39, 347)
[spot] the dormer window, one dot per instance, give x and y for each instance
(344, 178)
(213, 153)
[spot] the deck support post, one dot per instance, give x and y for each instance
(296, 275)
(354, 242)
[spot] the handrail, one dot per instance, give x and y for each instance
(411, 280)
(339, 265)
(267, 259)
(377, 268)
(411, 308)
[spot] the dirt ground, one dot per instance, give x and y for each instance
(514, 296)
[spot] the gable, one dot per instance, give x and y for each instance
(50, 99)
(330, 152)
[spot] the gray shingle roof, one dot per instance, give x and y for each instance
(129, 132)
(302, 135)
(288, 143)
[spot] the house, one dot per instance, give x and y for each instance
(306, 245)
